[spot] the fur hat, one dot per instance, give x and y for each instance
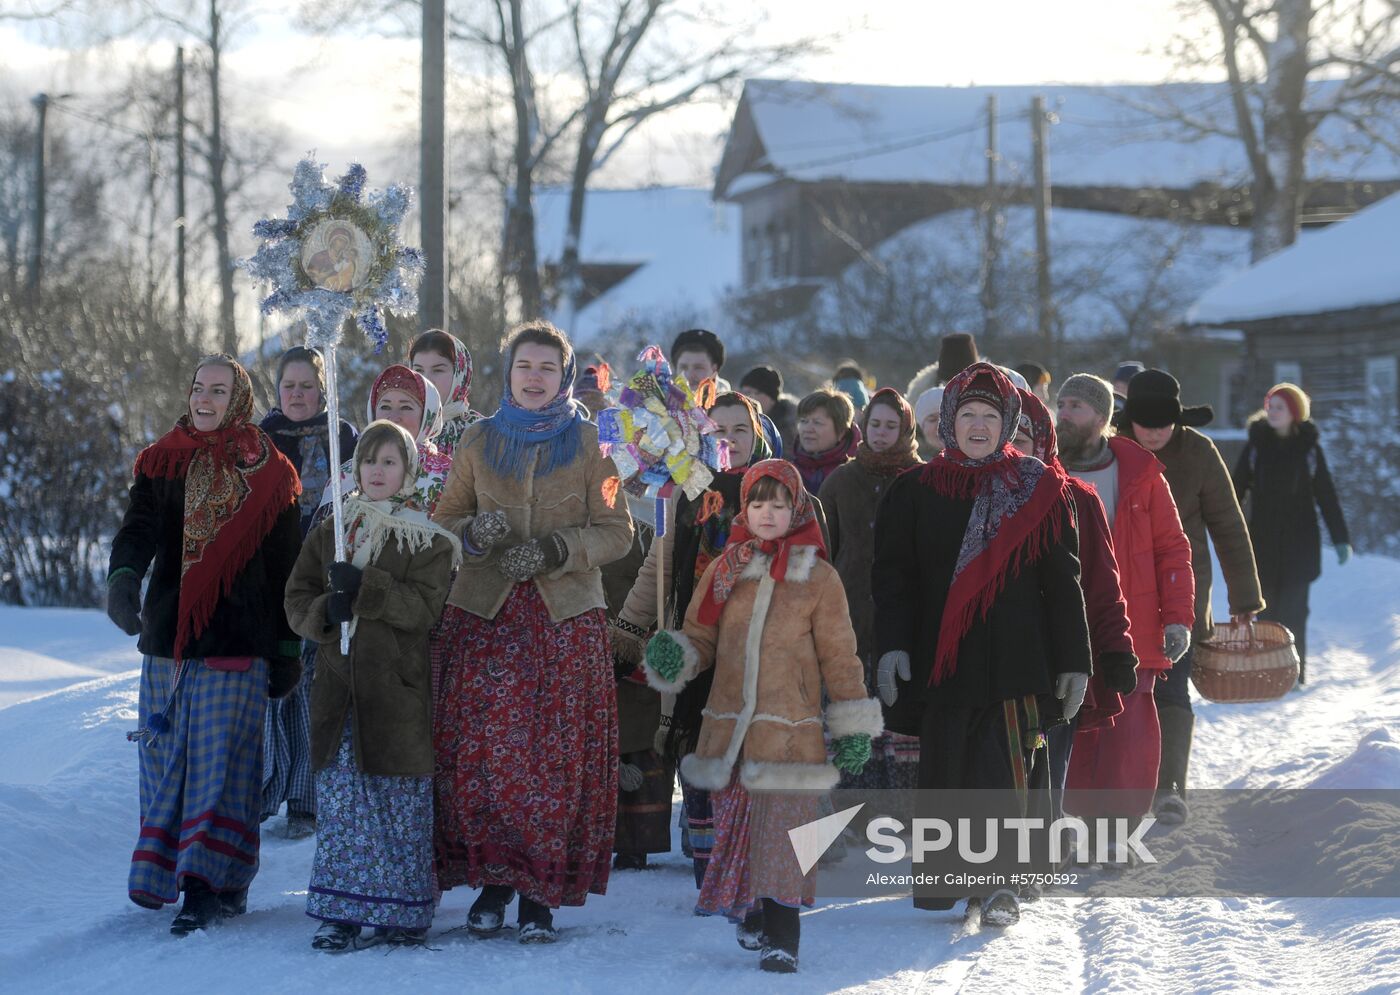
(1297, 400)
(765, 379)
(1154, 401)
(699, 340)
(956, 353)
(1093, 391)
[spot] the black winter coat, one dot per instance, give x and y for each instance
(1287, 481)
(248, 621)
(1035, 630)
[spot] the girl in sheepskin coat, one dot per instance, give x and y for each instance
(770, 617)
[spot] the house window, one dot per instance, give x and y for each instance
(1381, 385)
(1288, 372)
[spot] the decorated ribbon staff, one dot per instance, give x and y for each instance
(661, 439)
(336, 255)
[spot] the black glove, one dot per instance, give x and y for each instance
(283, 675)
(339, 607)
(1119, 672)
(124, 602)
(538, 556)
(344, 577)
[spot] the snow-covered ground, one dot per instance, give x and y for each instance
(68, 818)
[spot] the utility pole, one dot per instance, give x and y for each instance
(180, 196)
(36, 249)
(1041, 198)
(991, 327)
(432, 301)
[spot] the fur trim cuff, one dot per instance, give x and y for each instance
(689, 668)
(763, 775)
(851, 718)
(705, 773)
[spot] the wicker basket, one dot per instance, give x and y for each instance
(1248, 661)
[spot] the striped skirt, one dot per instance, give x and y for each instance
(286, 773)
(200, 780)
(374, 846)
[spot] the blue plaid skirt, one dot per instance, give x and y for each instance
(200, 780)
(286, 772)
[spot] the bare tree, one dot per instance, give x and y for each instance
(1291, 65)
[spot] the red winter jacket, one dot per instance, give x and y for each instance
(1103, 601)
(1153, 554)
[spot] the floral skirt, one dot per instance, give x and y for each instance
(753, 858)
(374, 846)
(525, 735)
(201, 787)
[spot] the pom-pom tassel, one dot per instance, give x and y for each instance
(710, 505)
(610, 488)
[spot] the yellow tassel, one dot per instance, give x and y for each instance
(610, 488)
(706, 393)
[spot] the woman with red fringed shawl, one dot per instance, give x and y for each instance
(213, 514)
(979, 617)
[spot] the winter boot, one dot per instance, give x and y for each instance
(749, 933)
(233, 903)
(1178, 725)
(201, 908)
(535, 922)
(630, 862)
(300, 825)
(781, 931)
(397, 936)
(335, 937)
(1001, 909)
(488, 912)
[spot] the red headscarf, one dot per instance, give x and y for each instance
(1037, 422)
(743, 545)
(1016, 513)
(236, 484)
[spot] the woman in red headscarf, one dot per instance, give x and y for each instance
(979, 617)
(770, 616)
(213, 513)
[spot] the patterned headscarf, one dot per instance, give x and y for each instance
(514, 428)
(905, 451)
(744, 545)
(456, 412)
(1016, 510)
(1039, 424)
(236, 484)
(416, 386)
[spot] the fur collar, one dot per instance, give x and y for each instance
(801, 561)
(1262, 434)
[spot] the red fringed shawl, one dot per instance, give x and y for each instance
(1018, 510)
(236, 484)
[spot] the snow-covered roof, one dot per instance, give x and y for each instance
(1106, 270)
(1101, 136)
(1352, 264)
(686, 247)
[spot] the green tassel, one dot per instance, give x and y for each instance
(665, 655)
(852, 752)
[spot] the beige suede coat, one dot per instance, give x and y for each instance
(776, 645)
(568, 501)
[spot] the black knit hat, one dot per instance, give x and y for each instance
(701, 340)
(1154, 401)
(956, 353)
(765, 379)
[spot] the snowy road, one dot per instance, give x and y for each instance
(68, 817)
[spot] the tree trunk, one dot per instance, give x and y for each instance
(1278, 195)
(570, 278)
(521, 257)
(228, 329)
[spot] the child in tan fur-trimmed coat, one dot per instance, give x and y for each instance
(770, 615)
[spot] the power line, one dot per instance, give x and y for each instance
(866, 153)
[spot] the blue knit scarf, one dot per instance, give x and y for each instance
(512, 429)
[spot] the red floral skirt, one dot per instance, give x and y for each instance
(525, 733)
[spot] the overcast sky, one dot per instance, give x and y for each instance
(357, 96)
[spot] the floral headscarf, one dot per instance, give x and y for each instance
(744, 546)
